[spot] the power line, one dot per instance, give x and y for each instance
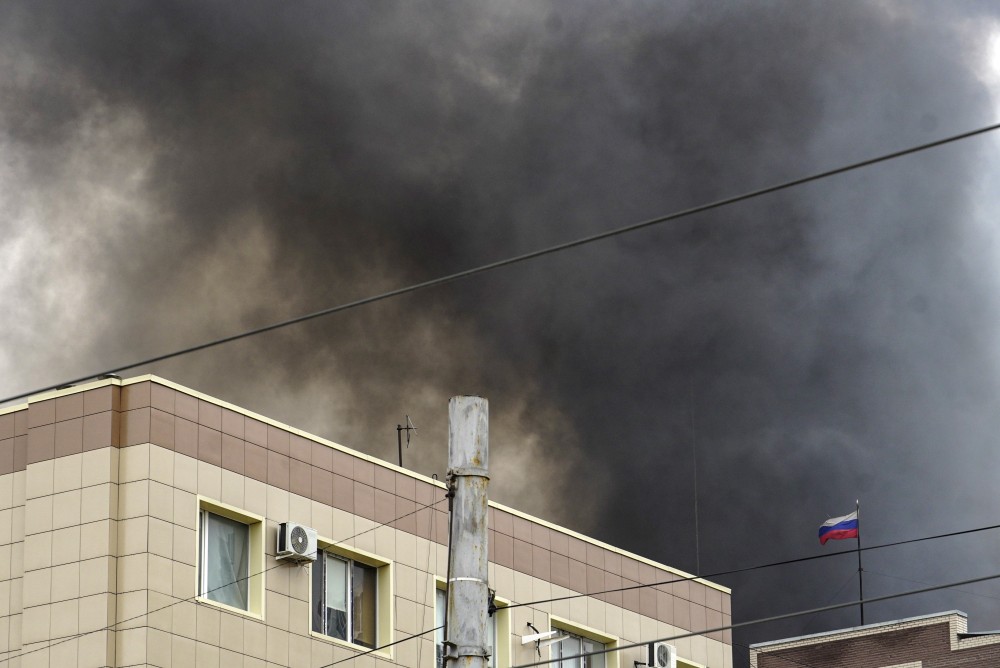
(390, 644)
(764, 620)
(65, 639)
(745, 569)
(566, 245)
(896, 577)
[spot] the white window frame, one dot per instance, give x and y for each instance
(255, 556)
(384, 608)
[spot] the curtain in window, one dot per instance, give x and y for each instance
(336, 597)
(227, 553)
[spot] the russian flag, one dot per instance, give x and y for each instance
(838, 528)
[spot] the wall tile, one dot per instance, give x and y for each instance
(578, 576)
(504, 523)
(343, 493)
(406, 487)
(135, 396)
(522, 529)
(385, 479)
(69, 406)
(364, 500)
(20, 453)
(385, 506)
(322, 485)
(364, 472)
(406, 511)
(209, 415)
(300, 478)
(277, 440)
(612, 581)
(322, 456)
(300, 448)
(277, 469)
(7, 456)
(522, 556)
(135, 426)
(342, 463)
(255, 431)
(41, 413)
(682, 614)
(209, 445)
(162, 398)
(99, 430)
(559, 570)
(6, 426)
(540, 562)
(255, 462)
(161, 427)
(232, 423)
(696, 592)
(232, 453)
(186, 406)
(102, 399)
(21, 423)
(41, 443)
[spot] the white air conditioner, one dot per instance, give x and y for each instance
(661, 655)
(296, 542)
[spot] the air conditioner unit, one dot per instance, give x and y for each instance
(661, 655)
(296, 542)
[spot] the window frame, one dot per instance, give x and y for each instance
(384, 614)
(611, 659)
(501, 628)
(255, 561)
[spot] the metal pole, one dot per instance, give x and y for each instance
(399, 443)
(861, 589)
(468, 596)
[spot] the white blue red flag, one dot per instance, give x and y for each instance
(838, 528)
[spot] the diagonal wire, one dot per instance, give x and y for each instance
(64, 639)
(784, 562)
(850, 578)
(764, 620)
(964, 591)
(517, 259)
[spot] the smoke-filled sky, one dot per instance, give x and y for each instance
(174, 172)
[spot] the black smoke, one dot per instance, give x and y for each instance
(179, 171)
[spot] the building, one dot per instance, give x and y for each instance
(138, 525)
(931, 641)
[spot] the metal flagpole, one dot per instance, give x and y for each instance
(861, 590)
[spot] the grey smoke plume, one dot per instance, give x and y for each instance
(173, 172)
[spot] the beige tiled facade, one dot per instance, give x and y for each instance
(100, 492)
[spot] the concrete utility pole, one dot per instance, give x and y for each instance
(468, 479)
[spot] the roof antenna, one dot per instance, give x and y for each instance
(399, 437)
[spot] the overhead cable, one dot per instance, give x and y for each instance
(763, 620)
(111, 627)
(566, 245)
(745, 569)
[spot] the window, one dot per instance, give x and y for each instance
(225, 560)
(498, 626)
(230, 557)
(573, 645)
(574, 639)
(345, 599)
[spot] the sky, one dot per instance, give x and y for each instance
(173, 172)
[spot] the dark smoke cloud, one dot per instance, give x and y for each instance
(178, 171)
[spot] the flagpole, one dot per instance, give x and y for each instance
(861, 589)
